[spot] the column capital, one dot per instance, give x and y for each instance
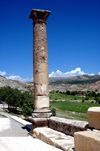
(39, 15)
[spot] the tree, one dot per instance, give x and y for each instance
(28, 106)
(15, 98)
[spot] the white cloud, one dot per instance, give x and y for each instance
(17, 77)
(92, 74)
(2, 73)
(71, 73)
(99, 73)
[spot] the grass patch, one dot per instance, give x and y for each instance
(73, 106)
(60, 96)
(72, 115)
(57, 96)
(72, 110)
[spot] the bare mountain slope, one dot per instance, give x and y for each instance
(77, 83)
(74, 79)
(13, 84)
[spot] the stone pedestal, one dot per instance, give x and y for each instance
(94, 117)
(38, 122)
(40, 66)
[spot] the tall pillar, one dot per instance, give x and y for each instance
(40, 64)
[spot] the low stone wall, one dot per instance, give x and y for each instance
(67, 126)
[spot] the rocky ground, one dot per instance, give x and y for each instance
(76, 87)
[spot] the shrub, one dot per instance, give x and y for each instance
(53, 111)
(68, 92)
(83, 100)
(86, 98)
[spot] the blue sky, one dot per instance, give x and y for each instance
(73, 34)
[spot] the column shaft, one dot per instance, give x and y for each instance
(40, 63)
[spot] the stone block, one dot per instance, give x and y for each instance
(41, 114)
(41, 78)
(87, 141)
(41, 102)
(40, 67)
(67, 126)
(39, 122)
(40, 57)
(41, 89)
(94, 117)
(54, 138)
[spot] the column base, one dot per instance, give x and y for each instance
(41, 114)
(38, 122)
(40, 118)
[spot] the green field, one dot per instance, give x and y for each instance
(59, 96)
(73, 106)
(72, 110)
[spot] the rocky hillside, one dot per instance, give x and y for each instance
(76, 87)
(13, 84)
(83, 79)
(78, 83)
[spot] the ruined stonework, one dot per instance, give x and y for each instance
(94, 117)
(40, 63)
(67, 126)
(87, 141)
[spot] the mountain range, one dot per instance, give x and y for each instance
(77, 83)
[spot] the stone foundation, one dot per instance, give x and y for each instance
(86, 141)
(54, 138)
(67, 126)
(94, 117)
(39, 122)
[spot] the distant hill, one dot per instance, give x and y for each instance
(83, 79)
(76, 83)
(12, 83)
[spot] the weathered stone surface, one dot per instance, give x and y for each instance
(41, 89)
(87, 141)
(67, 126)
(39, 122)
(41, 102)
(40, 62)
(94, 117)
(54, 138)
(41, 78)
(38, 15)
(41, 114)
(42, 67)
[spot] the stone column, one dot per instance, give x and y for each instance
(40, 64)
